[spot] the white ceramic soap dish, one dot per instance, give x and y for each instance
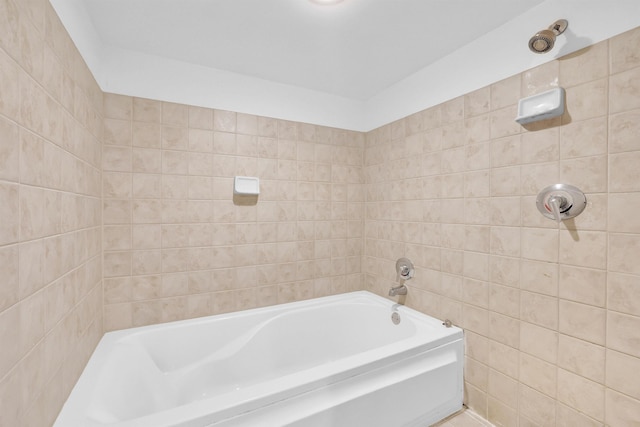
(543, 106)
(246, 186)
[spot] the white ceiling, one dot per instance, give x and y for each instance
(356, 65)
(353, 49)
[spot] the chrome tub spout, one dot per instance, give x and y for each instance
(398, 290)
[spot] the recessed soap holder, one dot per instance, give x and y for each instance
(543, 106)
(561, 201)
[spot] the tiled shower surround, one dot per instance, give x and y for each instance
(177, 244)
(551, 314)
(50, 214)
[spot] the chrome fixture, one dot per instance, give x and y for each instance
(398, 290)
(405, 270)
(543, 41)
(561, 201)
(395, 318)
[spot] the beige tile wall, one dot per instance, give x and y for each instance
(552, 314)
(176, 242)
(50, 213)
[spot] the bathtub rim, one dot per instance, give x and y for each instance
(112, 336)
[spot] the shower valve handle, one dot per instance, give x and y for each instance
(556, 203)
(560, 202)
(404, 268)
(404, 273)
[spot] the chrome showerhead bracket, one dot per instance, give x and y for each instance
(559, 26)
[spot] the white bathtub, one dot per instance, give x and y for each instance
(333, 361)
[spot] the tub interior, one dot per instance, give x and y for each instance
(180, 364)
(322, 333)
